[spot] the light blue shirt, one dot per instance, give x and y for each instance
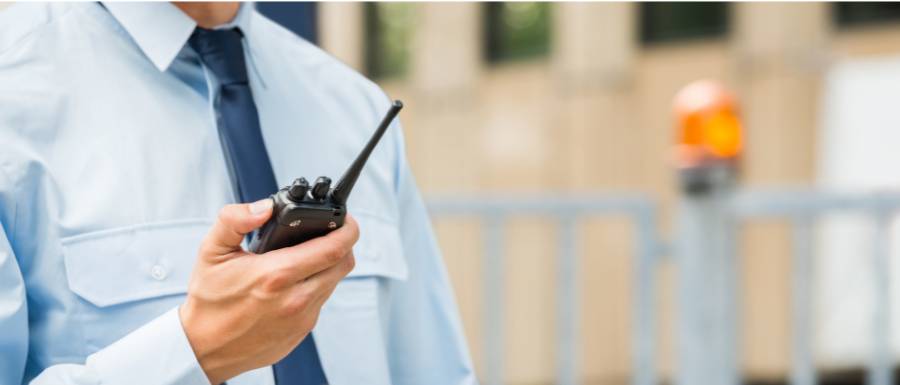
(111, 173)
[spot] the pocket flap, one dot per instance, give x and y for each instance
(144, 261)
(379, 251)
(121, 265)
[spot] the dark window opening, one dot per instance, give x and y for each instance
(679, 21)
(862, 14)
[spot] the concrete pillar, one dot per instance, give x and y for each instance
(779, 51)
(446, 55)
(593, 58)
(341, 32)
(442, 82)
(778, 69)
(593, 134)
(593, 42)
(442, 134)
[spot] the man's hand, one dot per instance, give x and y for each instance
(244, 311)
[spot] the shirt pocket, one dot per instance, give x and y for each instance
(350, 331)
(125, 277)
(379, 250)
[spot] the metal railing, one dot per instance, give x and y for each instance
(567, 212)
(801, 208)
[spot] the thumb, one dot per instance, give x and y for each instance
(234, 223)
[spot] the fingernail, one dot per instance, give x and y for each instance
(260, 206)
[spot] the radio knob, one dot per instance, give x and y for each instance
(298, 189)
(320, 189)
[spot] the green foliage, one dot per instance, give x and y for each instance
(516, 30)
(389, 28)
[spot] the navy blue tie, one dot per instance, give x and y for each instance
(248, 162)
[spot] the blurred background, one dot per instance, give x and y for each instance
(534, 102)
(541, 99)
(544, 139)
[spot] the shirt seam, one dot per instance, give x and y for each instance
(117, 27)
(15, 202)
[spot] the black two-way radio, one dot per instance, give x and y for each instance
(301, 212)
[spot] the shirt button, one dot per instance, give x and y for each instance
(158, 272)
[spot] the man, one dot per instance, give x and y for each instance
(124, 130)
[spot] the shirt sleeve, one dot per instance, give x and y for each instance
(13, 315)
(156, 353)
(425, 329)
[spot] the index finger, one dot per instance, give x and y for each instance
(317, 254)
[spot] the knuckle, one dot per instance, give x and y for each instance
(310, 322)
(311, 289)
(277, 279)
(298, 303)
(349, 263)
(210, 249)
(232, 214)
(226, 214)
(354, 231)
(206, 246)
(333, 253)
(306, 295)
(194, 287)
(229, 219)
(305, 325)
(290, 309)
(351, 229)
(293, 307)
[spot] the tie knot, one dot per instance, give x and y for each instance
(221, 51)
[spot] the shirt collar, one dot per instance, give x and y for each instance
(160, 29)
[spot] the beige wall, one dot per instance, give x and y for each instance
(594, 116)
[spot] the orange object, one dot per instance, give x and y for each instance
(707, 125)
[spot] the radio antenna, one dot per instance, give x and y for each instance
(342, 190)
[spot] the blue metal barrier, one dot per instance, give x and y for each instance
(803, 208)
(568, 212)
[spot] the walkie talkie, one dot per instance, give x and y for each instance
(303, 212)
